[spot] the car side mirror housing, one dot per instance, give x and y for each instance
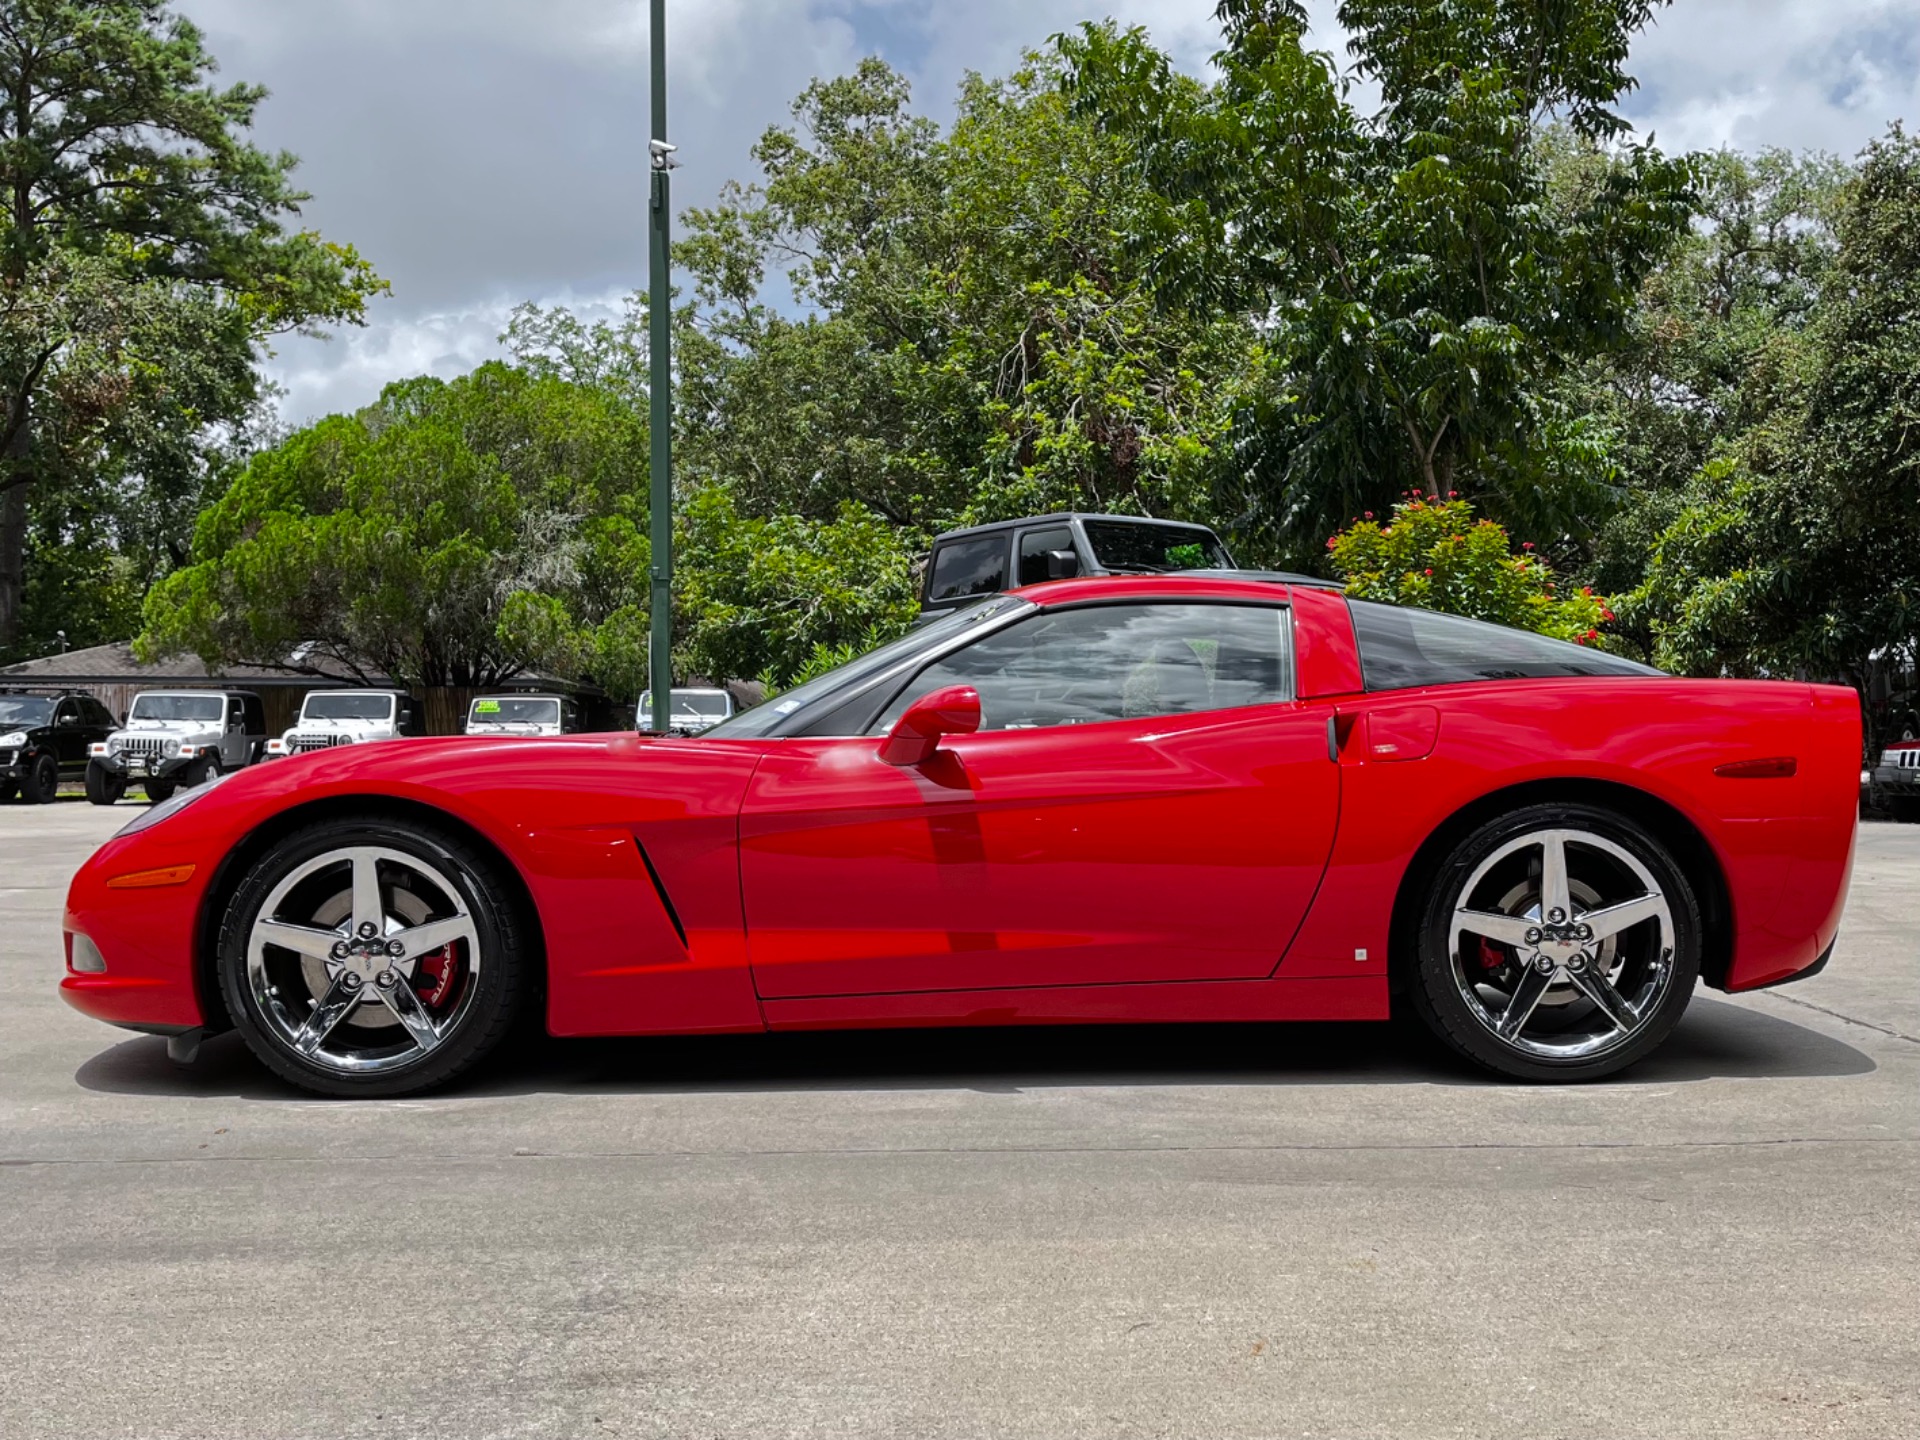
(950, 710)
(1062, 564)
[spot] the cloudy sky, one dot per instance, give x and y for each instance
(484, 152)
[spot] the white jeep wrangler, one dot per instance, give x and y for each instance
(174, 738)
(346, 717)
(521, 715)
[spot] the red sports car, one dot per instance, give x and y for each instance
(1117, 799)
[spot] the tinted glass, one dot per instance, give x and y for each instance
(177, 707)
(514, 710)
(347, 707)
(29, 710)
(969, 567)
(1115, 662)
(804, 701)
(1118, 545)
(1035, 546)
(1402, 648)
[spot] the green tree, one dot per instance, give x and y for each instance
(1418, 282)
(143, 257)
(1435, 555)
(771, 598)
(450, 534)
(973, 340)
(1798, 549)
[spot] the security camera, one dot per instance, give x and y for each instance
(662, 154)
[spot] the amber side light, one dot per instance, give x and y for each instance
(152, 879)
(1776, 767)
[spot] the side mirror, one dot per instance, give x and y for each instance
(1062, 564)
(951, 710)
(68, 720)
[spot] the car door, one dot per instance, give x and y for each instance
(233, 735)
(1144, 802)
(69, 736)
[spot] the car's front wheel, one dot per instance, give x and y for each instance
(103, 786)
(42, 782)
(373, 957)
(1559, 942)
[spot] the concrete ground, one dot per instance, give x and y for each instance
(1303, 1231)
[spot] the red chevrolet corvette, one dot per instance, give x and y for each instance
(1123, 799)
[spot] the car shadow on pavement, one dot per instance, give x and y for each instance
(1717, 1040)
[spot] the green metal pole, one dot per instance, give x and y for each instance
(660, 360)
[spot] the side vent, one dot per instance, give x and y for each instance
(666, 900)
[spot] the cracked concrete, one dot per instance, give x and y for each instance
(1225, 1231)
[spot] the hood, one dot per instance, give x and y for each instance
(322, 725)
(511, 727)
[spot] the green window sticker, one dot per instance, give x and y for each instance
(487, 707)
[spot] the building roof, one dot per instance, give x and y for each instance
(116, 664)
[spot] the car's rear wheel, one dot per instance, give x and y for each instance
(1558, 943)
(373, 957)
(42, 782)
(103, 786)
(158, 790)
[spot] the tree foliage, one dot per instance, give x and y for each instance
(144, 255)
(1417, 281)
(1436, 555)
(430, 537)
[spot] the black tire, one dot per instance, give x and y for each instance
(42, 782)
(158, 790)
(103, 786)
(499, 986)
(8, 789)
(1440, 989)
(206, 768)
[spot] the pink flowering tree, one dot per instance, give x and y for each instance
(1434, 554)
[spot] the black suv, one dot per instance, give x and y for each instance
(987, 559)
(44, 735)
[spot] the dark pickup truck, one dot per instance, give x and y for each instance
(987, 559)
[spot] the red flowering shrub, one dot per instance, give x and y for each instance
(1434, 554)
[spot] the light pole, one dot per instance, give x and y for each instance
(660, 387)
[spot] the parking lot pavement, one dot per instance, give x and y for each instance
(1235, 1231)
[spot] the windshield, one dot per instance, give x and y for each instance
(1121, 545)
(24, 710)
(699, 704)
(514, 710)
(347, 706)
(178, 707)
(763, 718)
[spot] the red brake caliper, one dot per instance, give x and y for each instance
(1492, 954)
(434, 976)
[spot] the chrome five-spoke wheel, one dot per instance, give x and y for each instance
(363, 957)
(1560, 943)
(370, 958)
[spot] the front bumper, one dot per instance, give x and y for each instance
(141, 767)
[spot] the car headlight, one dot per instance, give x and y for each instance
(14, 741)
(169, 746)
(167, 809)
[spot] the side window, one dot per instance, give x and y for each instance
(1116, 662)
(969, 567)
(1035, 546)
(66, 712)
(103, 716)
